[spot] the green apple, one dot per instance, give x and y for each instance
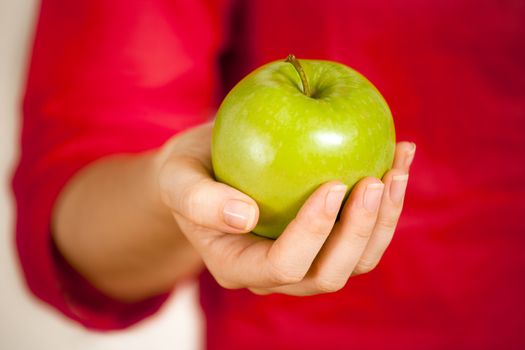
(290, 126)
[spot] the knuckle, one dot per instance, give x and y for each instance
(387, 223)
(225, 283)
(191, 199)
(165, 184)
(282, 275)
(305, 220)
(326, 285)
(362, 231)
(365, 266)
(311, 224)
(259, 291)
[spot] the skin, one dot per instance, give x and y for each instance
(136, 225)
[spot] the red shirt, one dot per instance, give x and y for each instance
(123, 76)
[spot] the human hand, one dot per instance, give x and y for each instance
(315, 254)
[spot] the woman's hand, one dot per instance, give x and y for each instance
(315, 254)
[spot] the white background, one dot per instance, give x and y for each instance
(26, 323)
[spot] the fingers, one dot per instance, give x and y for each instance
(188, 189)
(250, 261)
(343, 249)
(385, 226)
(404, 155)
(341, 255)
(345, 246)
(291, 255)
(396, 181)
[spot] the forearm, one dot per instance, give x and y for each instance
(110, 224)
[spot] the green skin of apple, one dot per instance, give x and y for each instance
(278, 145)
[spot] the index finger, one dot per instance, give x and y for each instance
(292, 254)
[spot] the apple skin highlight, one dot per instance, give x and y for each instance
(277, 144)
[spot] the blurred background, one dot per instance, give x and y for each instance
(26, 323)
(453, 71)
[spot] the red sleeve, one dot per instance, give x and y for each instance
(105, 77)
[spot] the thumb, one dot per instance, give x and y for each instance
(189, 190)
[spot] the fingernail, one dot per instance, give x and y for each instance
(398, 187)
(238, 214)
(373, 195)
(334, 198)
(409, 157)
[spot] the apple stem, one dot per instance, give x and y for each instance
(295, 63)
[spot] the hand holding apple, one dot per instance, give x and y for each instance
(315, 254)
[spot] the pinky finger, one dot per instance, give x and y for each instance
(404, 155)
